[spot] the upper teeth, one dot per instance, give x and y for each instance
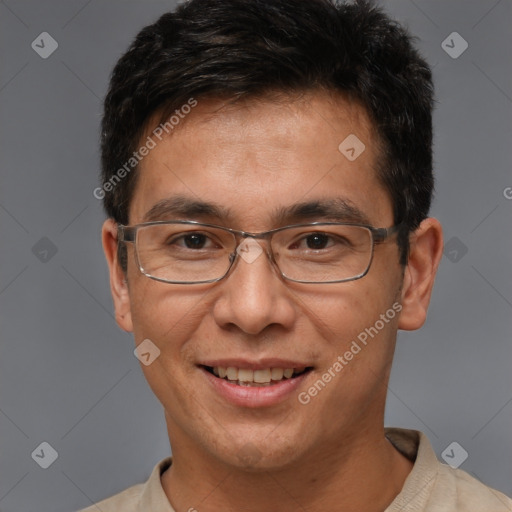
(259, 376)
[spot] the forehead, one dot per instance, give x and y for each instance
(250, 162)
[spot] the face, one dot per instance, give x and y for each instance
(252, 160)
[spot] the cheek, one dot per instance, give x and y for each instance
(160, 314)
(354, 377)
(358, 323)
(169, 321)
(170, 316)
(342, 311)
(363, 335)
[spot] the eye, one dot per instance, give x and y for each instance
(315, 241)
(192, 241)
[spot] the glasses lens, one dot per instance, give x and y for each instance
(323, 253)
(184, 253)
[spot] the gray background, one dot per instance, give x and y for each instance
(67, 373)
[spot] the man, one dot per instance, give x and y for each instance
(267, 173)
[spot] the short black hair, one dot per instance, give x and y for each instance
(238, 49)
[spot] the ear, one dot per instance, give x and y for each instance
(118, 282)
(426, 250)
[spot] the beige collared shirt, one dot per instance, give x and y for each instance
(429, 487)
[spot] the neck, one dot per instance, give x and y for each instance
(362, 473)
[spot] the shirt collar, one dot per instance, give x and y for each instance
(411, 443)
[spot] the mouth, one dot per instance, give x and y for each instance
(264, 377)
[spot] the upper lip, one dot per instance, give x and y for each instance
(261, 364)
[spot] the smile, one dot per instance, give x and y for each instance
(255, 378)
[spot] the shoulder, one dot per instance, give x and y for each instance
(142, 497)
(468, 493)
(127, 501)
(435, 487)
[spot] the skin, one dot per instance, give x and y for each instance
(328, 454)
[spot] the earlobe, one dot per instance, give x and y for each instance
(426, 249)
(118, 282)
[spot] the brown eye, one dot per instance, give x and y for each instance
(317, 241)
(195, 241)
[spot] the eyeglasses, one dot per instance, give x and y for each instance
(189, 252)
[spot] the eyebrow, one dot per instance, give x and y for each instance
(185, 208)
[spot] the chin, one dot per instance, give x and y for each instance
(267, 453)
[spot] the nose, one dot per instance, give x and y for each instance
(254, 295)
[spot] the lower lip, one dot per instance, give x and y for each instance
(254, 396)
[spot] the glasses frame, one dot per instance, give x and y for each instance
(378, 236)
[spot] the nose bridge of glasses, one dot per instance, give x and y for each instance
(249, 246)
(262, 239)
